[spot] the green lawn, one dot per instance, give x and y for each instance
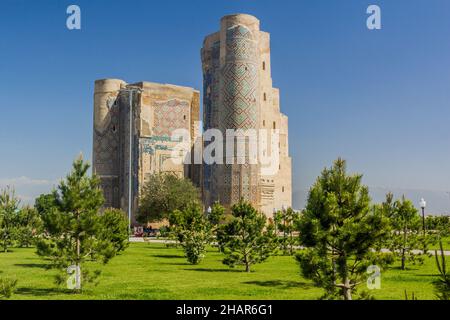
(445, 244)
(152, 271)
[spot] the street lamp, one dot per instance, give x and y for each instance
(423, 204)
(130, 90)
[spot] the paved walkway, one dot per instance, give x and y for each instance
(153, 240)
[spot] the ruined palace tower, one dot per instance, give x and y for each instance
(238, 94)
(158, 110)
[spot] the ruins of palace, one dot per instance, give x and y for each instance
(237, 94)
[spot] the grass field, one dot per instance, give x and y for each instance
(152, 271)
(445, 244)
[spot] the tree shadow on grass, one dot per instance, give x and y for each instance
(408, 268)
(176, 263)
(39, 292)
(281, 284)
(214, 270)
(168, 256)
(33, 265)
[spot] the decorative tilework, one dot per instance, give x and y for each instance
(231, 102)
(240, 80)
(170, 115)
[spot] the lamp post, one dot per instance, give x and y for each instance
(130, 90)
(423, 204)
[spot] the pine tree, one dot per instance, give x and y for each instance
(406, 235)
(28, 227)
(246, 239)
(286, 222)
(114, 229)
(215, 218)
(217, 215)
(339, 229)
(7, 287)
(192, 230)
(44, 203)
(9, 208)
(385, 210)
(72, 225)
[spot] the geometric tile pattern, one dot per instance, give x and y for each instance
(231, 100)
(170, 115)
(240, 80)
(240, 43)
(211, 80)
(239, 96)
(233, 59)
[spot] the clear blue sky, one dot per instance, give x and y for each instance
(380, 99)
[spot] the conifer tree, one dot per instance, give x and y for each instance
(73, 227)
(215, 218)
(286, 222)
(114, 229)
(28, 227)
(339, 229)
(246, 239)
(9, 208)
(7, 287)
(193, 231)
(406, 235)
